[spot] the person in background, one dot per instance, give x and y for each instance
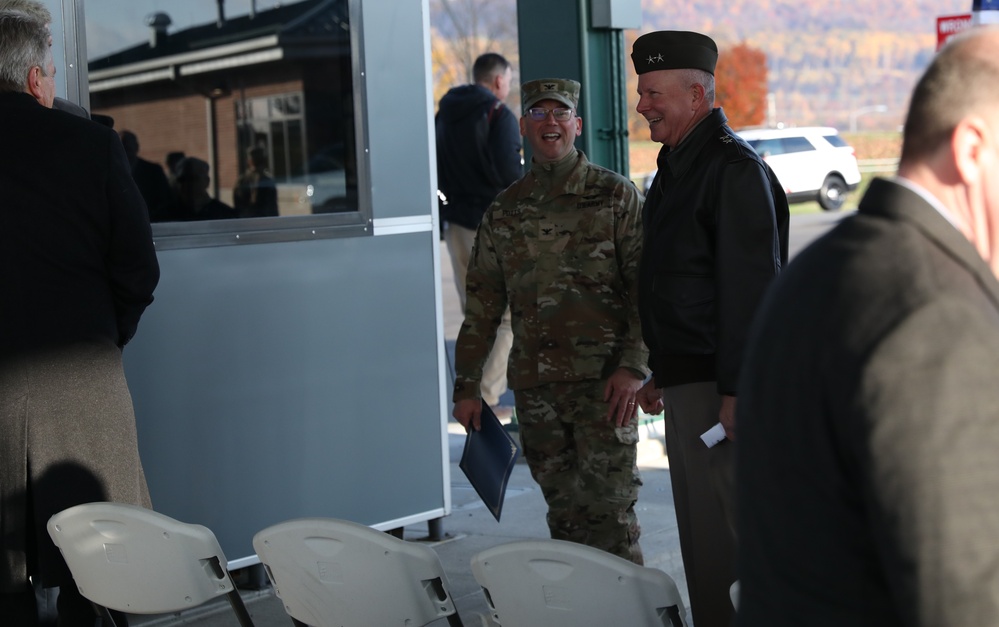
(150, 178)
(172, 160)
(478, 156)
(255, 195)
(868, 480)
(194, 201)
(560, 249)
(77, 270)
(716, 227)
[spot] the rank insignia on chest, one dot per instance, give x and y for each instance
(588, 204)
(546, 231)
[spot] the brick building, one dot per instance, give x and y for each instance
(279, 79)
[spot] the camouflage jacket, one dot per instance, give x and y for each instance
(561, 246)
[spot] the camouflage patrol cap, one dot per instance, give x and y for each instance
(674, 50)
(564, 90)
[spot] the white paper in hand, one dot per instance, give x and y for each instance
(714, 435)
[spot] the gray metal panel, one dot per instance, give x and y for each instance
(616, 13)
(305, 378)
(75, 37)
(283, 380)
(397, 92)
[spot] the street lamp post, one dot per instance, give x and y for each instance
(861, 111)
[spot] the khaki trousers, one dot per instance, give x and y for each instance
(493, 385)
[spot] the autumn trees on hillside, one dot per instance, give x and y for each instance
(463, 29)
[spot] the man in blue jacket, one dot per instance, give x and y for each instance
(478, 156)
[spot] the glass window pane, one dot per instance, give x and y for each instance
(767, 147)
(797, 144)
(279, 156)
(296, 148)
(228, 90)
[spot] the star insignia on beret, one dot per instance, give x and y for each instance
(651, 59)
(725, 139)
(659, 57)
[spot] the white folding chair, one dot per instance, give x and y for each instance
(563, 584)
(137, 561)
(336, 573)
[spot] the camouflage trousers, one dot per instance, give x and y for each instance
(585, 465)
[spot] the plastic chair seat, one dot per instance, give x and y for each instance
(337, 573)
(135, 560)
(563, 584)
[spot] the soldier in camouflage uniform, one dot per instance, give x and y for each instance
(562, 246)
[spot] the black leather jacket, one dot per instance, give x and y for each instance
(716, 226)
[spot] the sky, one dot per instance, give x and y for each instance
(113, 25)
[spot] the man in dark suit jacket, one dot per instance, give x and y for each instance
(868, 421)
(77, 269)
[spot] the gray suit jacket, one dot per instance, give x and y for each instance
(868, 429)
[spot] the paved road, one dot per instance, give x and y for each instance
(808, 226)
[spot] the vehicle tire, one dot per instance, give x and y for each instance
(832, 194)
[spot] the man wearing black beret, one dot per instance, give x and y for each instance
(715, 223)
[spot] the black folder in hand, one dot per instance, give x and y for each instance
(488, 460)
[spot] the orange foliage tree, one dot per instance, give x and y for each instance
(741, 85)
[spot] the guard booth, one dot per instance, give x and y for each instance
(293, 361)
(292, 364)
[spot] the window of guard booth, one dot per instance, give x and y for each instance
(242, 115)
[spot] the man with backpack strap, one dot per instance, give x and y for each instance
(478, 156)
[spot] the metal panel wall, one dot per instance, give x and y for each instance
(399, 107)
(593, 56)
(305, 378)
(275, 381)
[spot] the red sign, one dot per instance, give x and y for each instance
(950, 25)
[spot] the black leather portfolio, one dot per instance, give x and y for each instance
(488, 460)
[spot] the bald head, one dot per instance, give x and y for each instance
(950, 146)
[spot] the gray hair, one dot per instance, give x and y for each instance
(693, 77)
(32, 8)
(24, 44)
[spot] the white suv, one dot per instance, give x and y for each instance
(811, 162)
